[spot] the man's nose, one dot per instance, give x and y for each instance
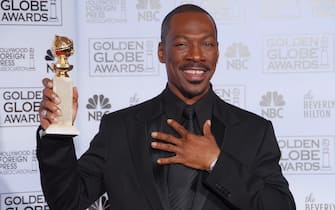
(196, 53)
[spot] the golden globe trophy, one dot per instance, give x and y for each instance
(62, 85)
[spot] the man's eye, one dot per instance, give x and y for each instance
(180, 44)
(208, 44)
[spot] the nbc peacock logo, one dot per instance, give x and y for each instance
(272, 104)
(237, 56)
(101, 204)
(49, 57)
(97, 106)
(148, 11)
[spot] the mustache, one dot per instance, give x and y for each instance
(195, 64)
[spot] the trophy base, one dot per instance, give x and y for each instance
(65, 130)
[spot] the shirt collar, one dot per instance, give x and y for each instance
(174, 106)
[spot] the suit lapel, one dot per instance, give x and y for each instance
(140, 139)
(234, 141)
(225, 125)
(223, 122)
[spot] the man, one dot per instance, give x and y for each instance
(151, 156)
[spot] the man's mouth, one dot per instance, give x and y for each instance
(194, 71)
(195, 68)
(194, 76)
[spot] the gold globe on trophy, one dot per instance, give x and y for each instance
(63, 86)
(62, 49)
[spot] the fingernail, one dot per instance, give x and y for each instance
(57, 99)
(58, 112)
(153, 144)
(159, 161)
(54, 119)
(209, 122)
(153, 134)
(169, 120)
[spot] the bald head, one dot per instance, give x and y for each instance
(182, 9)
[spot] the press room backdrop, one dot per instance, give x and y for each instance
(276, 59)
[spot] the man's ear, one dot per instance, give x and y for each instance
(218, 53)
(161, 52)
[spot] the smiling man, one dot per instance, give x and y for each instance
(184, 149)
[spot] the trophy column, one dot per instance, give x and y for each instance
(63, 87)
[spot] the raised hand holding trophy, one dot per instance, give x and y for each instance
(63, 87)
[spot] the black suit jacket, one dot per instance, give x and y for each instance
(119, 161)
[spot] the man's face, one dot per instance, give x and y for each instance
(190, 52)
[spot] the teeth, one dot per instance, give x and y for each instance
(194, 72)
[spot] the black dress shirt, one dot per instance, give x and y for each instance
(173, 109)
